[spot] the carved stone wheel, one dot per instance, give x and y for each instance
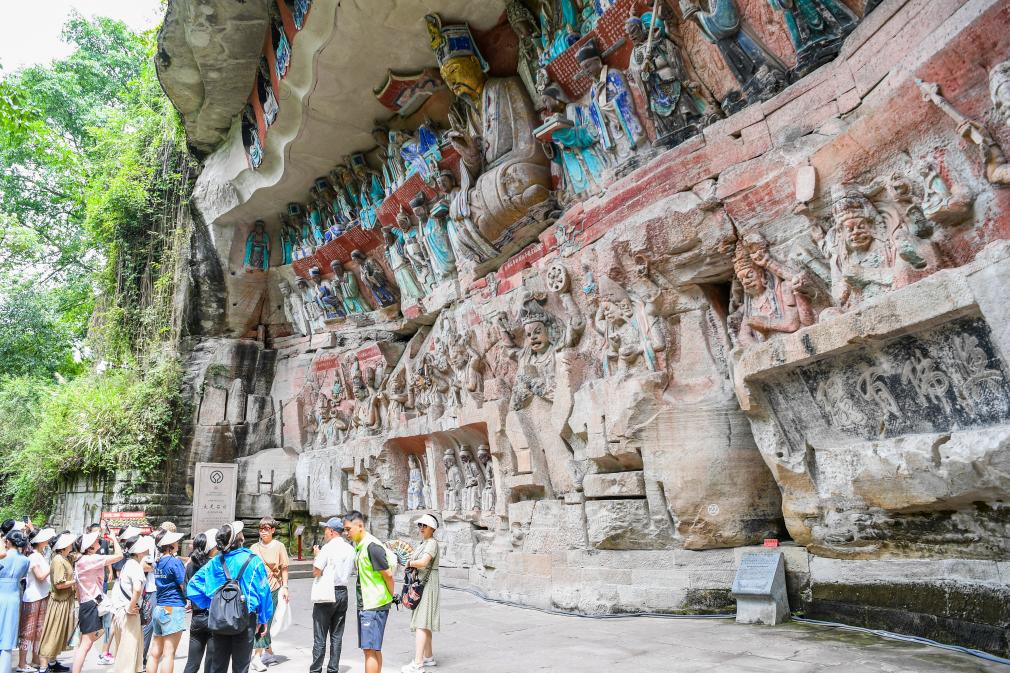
(557, 277)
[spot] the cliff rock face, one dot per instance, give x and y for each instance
(759, 295)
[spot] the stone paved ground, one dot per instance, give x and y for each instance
(479, 637)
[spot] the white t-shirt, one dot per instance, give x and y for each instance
(151, 585)
(336, 560)
(34, 589)
(130, 578)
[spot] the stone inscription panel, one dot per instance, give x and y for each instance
(944, 379)
(757, 573)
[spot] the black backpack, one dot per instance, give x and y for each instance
(228, 614)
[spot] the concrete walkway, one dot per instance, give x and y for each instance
(479, 637)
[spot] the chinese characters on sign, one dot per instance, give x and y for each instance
(214, 490)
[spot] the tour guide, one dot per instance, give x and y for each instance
(253, 583)
(375, 589)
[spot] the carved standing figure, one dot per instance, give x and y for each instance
(432, 228)
(415, 485)
(396, 257)
(759, 73)
(348, 284)
(466, 241)
(658, 71)
(581, 156)
(816, 29)
(257, 247)
(630, 331)
(487, 497)
(374, 279)
(471, 480)
(610, 105)
(294, 309)
(453, 482)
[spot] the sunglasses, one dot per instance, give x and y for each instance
(422, 525)
(266, 527)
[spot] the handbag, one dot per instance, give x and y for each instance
(322, 588)
(413, 589)
(282, 618)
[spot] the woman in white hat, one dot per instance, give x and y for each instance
(34, 601)
(170, 613)
(126, 597)
(60, 620)
(425, 619)
(204, 549)
(89, 571)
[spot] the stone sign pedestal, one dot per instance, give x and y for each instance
(760, 589)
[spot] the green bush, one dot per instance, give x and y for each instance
(92, 425)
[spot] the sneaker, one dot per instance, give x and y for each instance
(257, 664)
(26, 669)
(57, 667)
(269, 659)
(106, 660)
(412, 667)
(430, 661)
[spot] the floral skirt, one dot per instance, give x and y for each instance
(33, 616)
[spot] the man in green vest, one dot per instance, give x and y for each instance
(375, 589)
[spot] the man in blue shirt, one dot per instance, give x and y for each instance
(253, 582)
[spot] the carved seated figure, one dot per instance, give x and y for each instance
(513, 171)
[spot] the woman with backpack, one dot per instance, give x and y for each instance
(204, 549)
(126, 597)
(425, 618)
(219, 587)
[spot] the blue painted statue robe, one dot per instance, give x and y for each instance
(582, 162)
(437, 241)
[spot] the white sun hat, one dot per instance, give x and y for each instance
(211, 540)
(88, 540)
(44, 535)
(236, 528)
(170, 538)
(64, 541)
(428, 520)
(143, 545)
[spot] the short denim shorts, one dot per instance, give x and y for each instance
(169, 620)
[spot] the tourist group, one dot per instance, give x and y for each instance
(131, 595)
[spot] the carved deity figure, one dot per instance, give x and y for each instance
(289, 240)
(294, 309)
(370, 192)
(415, 251)
(816, 29)
(257, 248)
(487, 496)
(265, 92)
(351, 293)
(760, 75)
(632, 333)
(327, 296)
(432, 228)
(396, 257)
(313, 309)
(282, 47)
(524, 25)
(420, 152)
(374, 279)
(453, 483)
(251, 137)
(299, 10)
(415, 484)
(466, 241)
(658, 71)
(611, 108)
(314, 216)
(366, 415)
(471, 480)
(868, 249)
(581, 156)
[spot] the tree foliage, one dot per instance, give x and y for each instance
(93, 176)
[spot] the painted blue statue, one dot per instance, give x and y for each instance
(315, 218)
(251, 137)
(289, 239)
(759, 73)
(370, 192)
(257, 247)
(421, 154)
(327, 296)
(282, 48)
(396, 256)
(611, 108)
(348, 284)
(374, 279)
(434, 236)
(816, 28)
(299, 9)
(559, 32)
(577, 143)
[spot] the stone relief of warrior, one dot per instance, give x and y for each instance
(453, 483)
(471, 480)
(416, 489)
(543, 336)
(677, 105)
(487, 497)
(398, 395)
(611, 107)
(767, 305)
(759, 74)
(524, 25)
(868, 247)
(375, 279)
